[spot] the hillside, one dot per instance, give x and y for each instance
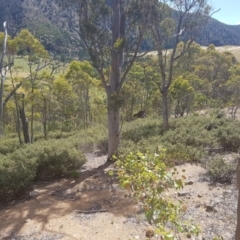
(48, 22)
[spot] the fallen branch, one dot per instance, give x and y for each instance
(90, 211)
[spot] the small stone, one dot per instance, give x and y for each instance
(27, 220)
(200, 195)
(182, 194)
(190, 182)
(149, 232)
(210, 207)
(69, 191)
(34, 193)
(228, 192)
(189, 235)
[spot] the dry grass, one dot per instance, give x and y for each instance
(235, 50)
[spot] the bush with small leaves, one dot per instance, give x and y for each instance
(228, 135)
(8, 145)
(57, 159)
(16, 177)
(38, 161)
(220, 171)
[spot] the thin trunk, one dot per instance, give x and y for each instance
(24, 124)
(18, 118)
(45, 119)
(165, 115)
(1, 104)
(32, 109)
(3, 75)
(237, 236)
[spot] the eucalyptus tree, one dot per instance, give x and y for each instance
(3, 72)
(112, 32)
(81, 77)
(174, 21)
(36, 58)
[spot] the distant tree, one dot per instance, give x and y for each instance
(35, 56)
(182, 93)
(81, 76)
(172, 27)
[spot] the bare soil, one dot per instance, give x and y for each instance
(94, 207)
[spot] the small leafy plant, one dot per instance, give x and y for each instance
(148, 177)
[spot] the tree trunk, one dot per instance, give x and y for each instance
(24, 125)
(165, 115)
(113, 129)
(118, 31)
(18, 119)
(237, 236)
(3, 75)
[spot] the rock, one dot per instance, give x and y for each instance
(182, 194)
(190, 182)
(34, 193)
(189, 235)
(149, 232)
(46, 202)
(68, 191)
(210, 207)
(27, 220)
(200, 195)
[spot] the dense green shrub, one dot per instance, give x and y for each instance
(16, 176)
(185, 141)
(141, 128)
(8, 145)
(38, 161)
(57, 159)
(220, 171)
(54, 135)
(228, 136)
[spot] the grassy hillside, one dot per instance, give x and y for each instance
(235, 50)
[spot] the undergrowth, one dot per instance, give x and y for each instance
(189, 139)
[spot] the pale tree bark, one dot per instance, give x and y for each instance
(237, 234)
(3, 75)
(118, 32)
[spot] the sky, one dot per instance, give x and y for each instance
(229, 13)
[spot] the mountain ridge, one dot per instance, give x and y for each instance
(46, 20)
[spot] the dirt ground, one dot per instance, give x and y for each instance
(94, 207)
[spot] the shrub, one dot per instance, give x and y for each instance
(148, 178)
(229, 136)
(57, 159)
(16, 177)
(141, 128)
(38, 161)
(8, 145)
(220, 171)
